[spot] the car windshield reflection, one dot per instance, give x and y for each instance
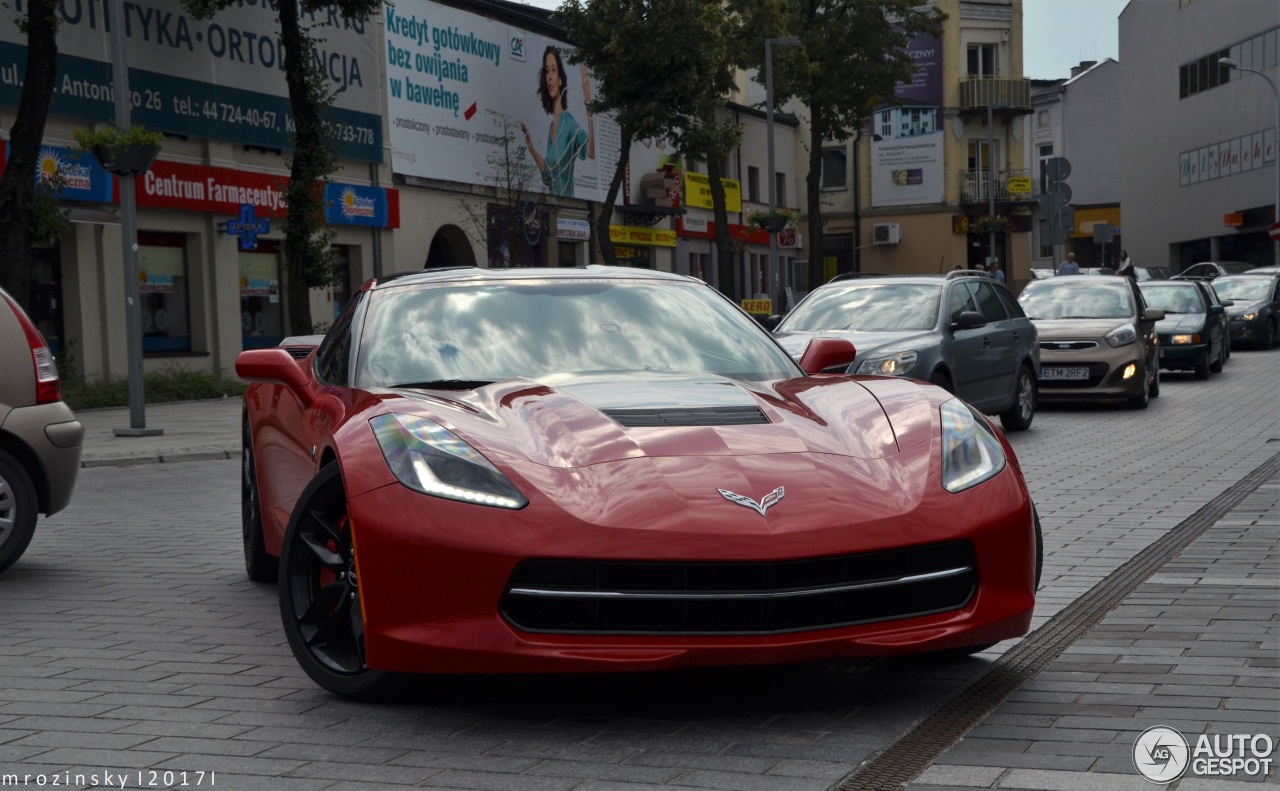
(1243, 290)
(1173, 299)
(868, 308)
(1061, 299)
(485, 333)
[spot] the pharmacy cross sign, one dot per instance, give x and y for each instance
(248, 227)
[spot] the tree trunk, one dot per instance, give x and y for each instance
(813, 191)
(308, 135)
(606, 208)
(17, 186)
(724, 243)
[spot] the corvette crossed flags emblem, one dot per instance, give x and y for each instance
(769, 499)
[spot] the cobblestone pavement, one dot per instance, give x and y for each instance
(130, 639)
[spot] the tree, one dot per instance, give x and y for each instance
(654, 81)
(513, 180)
(19, 197)
(851, 56)
(308, 242)
(712, 140)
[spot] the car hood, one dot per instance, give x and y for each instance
(864, 342)
(1239, 309)
(1180, 322)
(1065, 329)
(578, 420)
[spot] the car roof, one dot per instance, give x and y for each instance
(884, 280)
(496, 275)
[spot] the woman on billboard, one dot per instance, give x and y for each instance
(566, 141)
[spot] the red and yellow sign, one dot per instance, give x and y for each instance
(758, 307)
(649, 237)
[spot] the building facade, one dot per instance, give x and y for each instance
(1198, 140)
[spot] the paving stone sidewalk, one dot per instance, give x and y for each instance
(1195, 648)
(193, 431)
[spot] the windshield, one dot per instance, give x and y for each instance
(1243, 290)
(883, 307)
(1059, 298)
(1173, 299)
(1153, 272)
(1234, 267)
(487, 332)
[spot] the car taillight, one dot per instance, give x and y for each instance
(48, 385)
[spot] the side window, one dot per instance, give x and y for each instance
(1011, 305)
(333, 358)
(988, 302)
(959, 301)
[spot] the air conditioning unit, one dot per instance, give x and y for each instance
(886, 233)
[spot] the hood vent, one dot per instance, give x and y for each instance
(299, 352)
(698, 416)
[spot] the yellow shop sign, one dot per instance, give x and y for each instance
(649, 237)
(697, 192)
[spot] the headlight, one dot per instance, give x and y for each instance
(898, 364)
(429, 458)
(1122, 336)
(1250, 317)
(1182, 340)
(971, 453)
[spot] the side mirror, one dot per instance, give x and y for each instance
(824, 353)
(770, 323)
(1153, 314)
(1217, 310)
(1226, 303)
(969, 319)
(275, 366)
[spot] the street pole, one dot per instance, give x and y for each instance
(770, 283)
(1231, 64)
(129, 238)
(991, 187)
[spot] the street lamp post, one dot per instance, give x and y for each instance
(1231, 64)
(784, 41)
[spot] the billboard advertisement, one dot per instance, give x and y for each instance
(221, 78)
(452, 76)
(907, 146)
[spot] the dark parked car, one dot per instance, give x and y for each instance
(1255, 307)
(1097, 339)
(1211, 270)
(964, 332)
(40, 438)
(1193, 333)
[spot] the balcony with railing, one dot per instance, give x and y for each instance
(1003, 94)
(976, 186)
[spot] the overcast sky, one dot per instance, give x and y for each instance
(1057, 34)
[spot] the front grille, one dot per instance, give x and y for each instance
(619, 597)
(697, 416)
(1067, 346)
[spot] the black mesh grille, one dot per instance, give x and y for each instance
(610, 597)
(699, 416)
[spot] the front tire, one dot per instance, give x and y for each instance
(1216, 367)
(259, 565)
(1143, 399)
(319, 592)
(18, 506)
(1202, 367)
(1018, 417)
(1268, 336)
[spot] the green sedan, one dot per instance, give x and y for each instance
(1194, 333)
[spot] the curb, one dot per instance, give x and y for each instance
(162, 458)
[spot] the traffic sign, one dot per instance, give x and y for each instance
(1274, 230)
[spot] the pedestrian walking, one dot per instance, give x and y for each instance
(996, 272)
(1069, 266)
(1125, 267)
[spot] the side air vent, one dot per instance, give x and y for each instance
(299, 352)
(698, 416)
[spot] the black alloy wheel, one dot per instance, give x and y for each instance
(260, 565)
(18, 506)
(1018, 417)
(320, 593)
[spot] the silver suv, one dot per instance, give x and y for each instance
(965, 333)
(40, 438)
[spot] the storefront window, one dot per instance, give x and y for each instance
(162, 282)
(261, 309)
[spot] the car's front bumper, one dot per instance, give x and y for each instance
(54, 438)
(1106, 369)
(1242, 330)
(1182, 356)
(433, 573)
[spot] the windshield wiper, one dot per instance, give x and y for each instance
(445, 384)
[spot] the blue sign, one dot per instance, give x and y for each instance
(248, 227)
(352, 204)
(82, 178)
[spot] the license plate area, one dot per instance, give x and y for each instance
(1063, 374)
